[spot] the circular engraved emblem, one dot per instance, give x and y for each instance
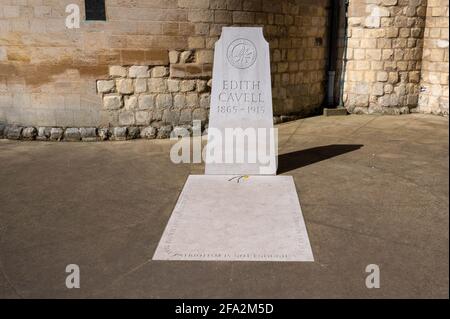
(241, 53)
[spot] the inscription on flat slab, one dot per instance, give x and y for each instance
(235, 218)
(241, 106)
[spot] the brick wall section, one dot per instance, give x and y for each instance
(48, 74)
(384, 55)
(434, 79)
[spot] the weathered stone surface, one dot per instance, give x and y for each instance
(200, 114)
(29, 133)
(174, 56)
(372, 22)
(171, 116)
(378, 89)
(388, 88)
(186, 56)
(145, 56)
(386, 38)
(164, 131)
(192, 100)
(88, 134)
(120, 133)
(43, 133)
(360, 110)
(389, 2)
(205, 56)
(56, 133)
(117, 71)
(126, 118)
(104, 133)
(143, 117)
(190, 70)
(382, 76)
(414, 76)
(124, 86)
(185, 116)
(187, 85)
(146, 101)
(5, 131)
(393, 77)
(72, 134)
(148, 132)
(112, 102)
(105, 86)
(157, 85)
(159, 71)
(138, 71)
(131, 102)
(205, 100)
(14, 132)
(157, 115)
(173, 85)
(390, 110)
(133, 132)
(201, 86)
(157, 124)
(180, 131)
(179, 101)
(163, 101)
(140, 85)
(385, 100)
(375, 108)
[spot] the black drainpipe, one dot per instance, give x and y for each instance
(344, 58)
(333, 31)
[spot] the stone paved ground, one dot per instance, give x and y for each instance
(373, 190)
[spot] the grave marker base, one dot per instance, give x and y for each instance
(226, 218)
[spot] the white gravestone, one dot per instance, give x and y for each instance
(240, 134)
(229, 213)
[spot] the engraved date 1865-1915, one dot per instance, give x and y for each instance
(253, 109)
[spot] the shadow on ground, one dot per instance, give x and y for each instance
(290, 161)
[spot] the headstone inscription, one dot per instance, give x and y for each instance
(241, 138)
(214, 218)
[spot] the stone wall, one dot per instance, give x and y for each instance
(384, 55)
(140, 95)
(434, 79)
(49, 74)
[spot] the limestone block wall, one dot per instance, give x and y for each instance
(139, 95)
(385, 42)
(49, 74)
(434, 78)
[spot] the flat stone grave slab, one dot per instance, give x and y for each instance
(236, 218)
